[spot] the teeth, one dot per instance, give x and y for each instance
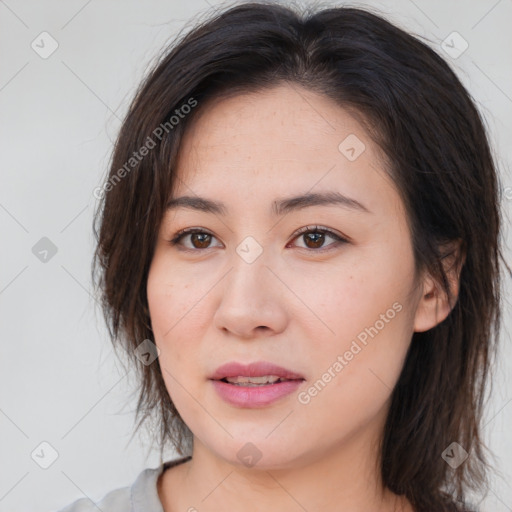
(254, 381)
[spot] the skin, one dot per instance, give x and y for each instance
(300, 304)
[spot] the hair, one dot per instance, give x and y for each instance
(439, 158)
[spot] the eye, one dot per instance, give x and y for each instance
(200, 239)
(314, 237)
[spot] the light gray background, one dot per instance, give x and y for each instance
(59, 380)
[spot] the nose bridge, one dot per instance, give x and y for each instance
(247, 282)
(249, 299)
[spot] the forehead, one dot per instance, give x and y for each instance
(280, 118)
(282, 141)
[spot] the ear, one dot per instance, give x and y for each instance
(434, 305)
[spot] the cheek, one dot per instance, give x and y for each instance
(353, 380)
(175, 310)
(379, 276)
(352, 294)
(178, 302)
(364, 305)
(172, 299)
(165, 310)
(170, 315)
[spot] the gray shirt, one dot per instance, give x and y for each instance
(141, 496)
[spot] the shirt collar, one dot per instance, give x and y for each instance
(144, 492)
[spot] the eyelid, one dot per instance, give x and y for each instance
(322, 229)
(175, 240)
(339, 238)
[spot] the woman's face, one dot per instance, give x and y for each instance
(251, 288)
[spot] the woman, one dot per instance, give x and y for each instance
(298, 247)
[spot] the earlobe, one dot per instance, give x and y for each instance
(434, 305)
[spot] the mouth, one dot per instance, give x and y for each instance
(260, 373)
(264, 380)
(254, 385)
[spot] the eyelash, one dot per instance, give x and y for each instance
(339, 240)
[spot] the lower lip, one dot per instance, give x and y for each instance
(254, 396)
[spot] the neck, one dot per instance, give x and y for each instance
(345, 477)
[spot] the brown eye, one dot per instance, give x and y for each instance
(314, 238)
(199, 239)
(202, 239)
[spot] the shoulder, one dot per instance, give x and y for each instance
(117, 500)
(141, 496)
(124, 499)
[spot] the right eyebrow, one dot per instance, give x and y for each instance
(279, 207)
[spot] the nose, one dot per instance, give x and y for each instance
(252, 301)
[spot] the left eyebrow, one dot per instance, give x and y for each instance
(320, 199)
(279, 207)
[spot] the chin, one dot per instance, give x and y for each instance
(259, 453)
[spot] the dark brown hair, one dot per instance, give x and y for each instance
(439, 158)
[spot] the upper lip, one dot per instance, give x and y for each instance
(256, 369)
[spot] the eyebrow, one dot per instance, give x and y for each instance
(279, 207)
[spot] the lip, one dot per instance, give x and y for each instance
(256, 369)
(254, 396)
